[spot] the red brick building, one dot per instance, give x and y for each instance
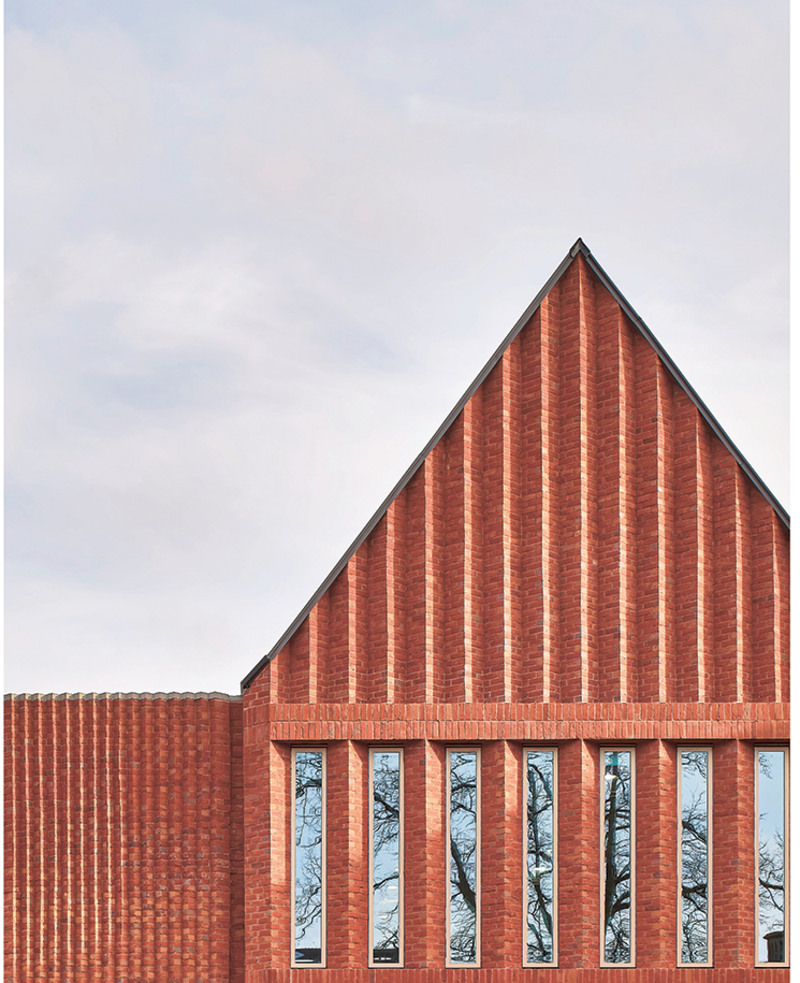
(534, 723)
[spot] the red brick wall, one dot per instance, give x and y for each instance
(579, 534)
(578, 560)
(123, 838)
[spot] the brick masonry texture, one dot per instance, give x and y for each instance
(579, 561)
(579, 534)
(123, 838)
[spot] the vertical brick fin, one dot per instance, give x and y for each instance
(628, 555)
(705, 564)
(656, 850)
(162, 864)
(781, 580)
(434, 467)
(358, 623)
(766, 626)
(744, 578)
(728, 640)
(395, 601)
(688, 549)
(132, 756)
(424, 851)
(12, 857)
(569, 503)
(550, 315)
(187, 831)
(300, 663)
(415, 589)
(666, 537)
(471, 594)
(220, 827)
(336, 663)
(616, 521)
(237, 931)
(649, 542)
(114, 820)
(734, 854)
(204, 844)
(268, 851)
(494, 547)
(531, 512)
(589, 484)
(147, 804)
(512, 519)
(501, 857)
(455, 573)
(376, 614)
(26, 889)
(347, 866)
(579, 852)
(48, 792)
(175, 779)
(34, 848)
(273, 906)
(277, 677)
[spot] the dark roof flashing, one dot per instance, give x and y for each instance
(578, 247)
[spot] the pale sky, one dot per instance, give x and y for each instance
(256, 251)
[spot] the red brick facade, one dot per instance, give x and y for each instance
(581, 558)
(123, 838)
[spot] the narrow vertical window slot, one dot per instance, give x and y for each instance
(540, 931)
(386, 857)
(771, 855)
(308, 857)
(617, 867)
(694, 861)
(463, 838)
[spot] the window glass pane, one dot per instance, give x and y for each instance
(694, 856)
(540, 868)
(463, 781)
(617, 856)
(308, 833)
(771, 857)
(386, 807)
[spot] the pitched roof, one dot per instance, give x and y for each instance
(579, 248)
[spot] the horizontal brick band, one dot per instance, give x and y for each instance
(517, 722)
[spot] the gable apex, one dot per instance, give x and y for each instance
(578, 249)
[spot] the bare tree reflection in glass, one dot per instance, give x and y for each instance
(540, 856)
(694, 856)
(386, 856)
(617, 856)
(771, 856)
(308, 832)
(463, 856)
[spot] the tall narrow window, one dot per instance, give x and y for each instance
(386, 857)
(617, 942)
(540, 930)
(694, 866)
(308, 857)
(463, 837)
(771, 827)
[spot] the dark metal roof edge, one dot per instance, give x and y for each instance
(683, 382)
(636, 320)
(412, 470)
